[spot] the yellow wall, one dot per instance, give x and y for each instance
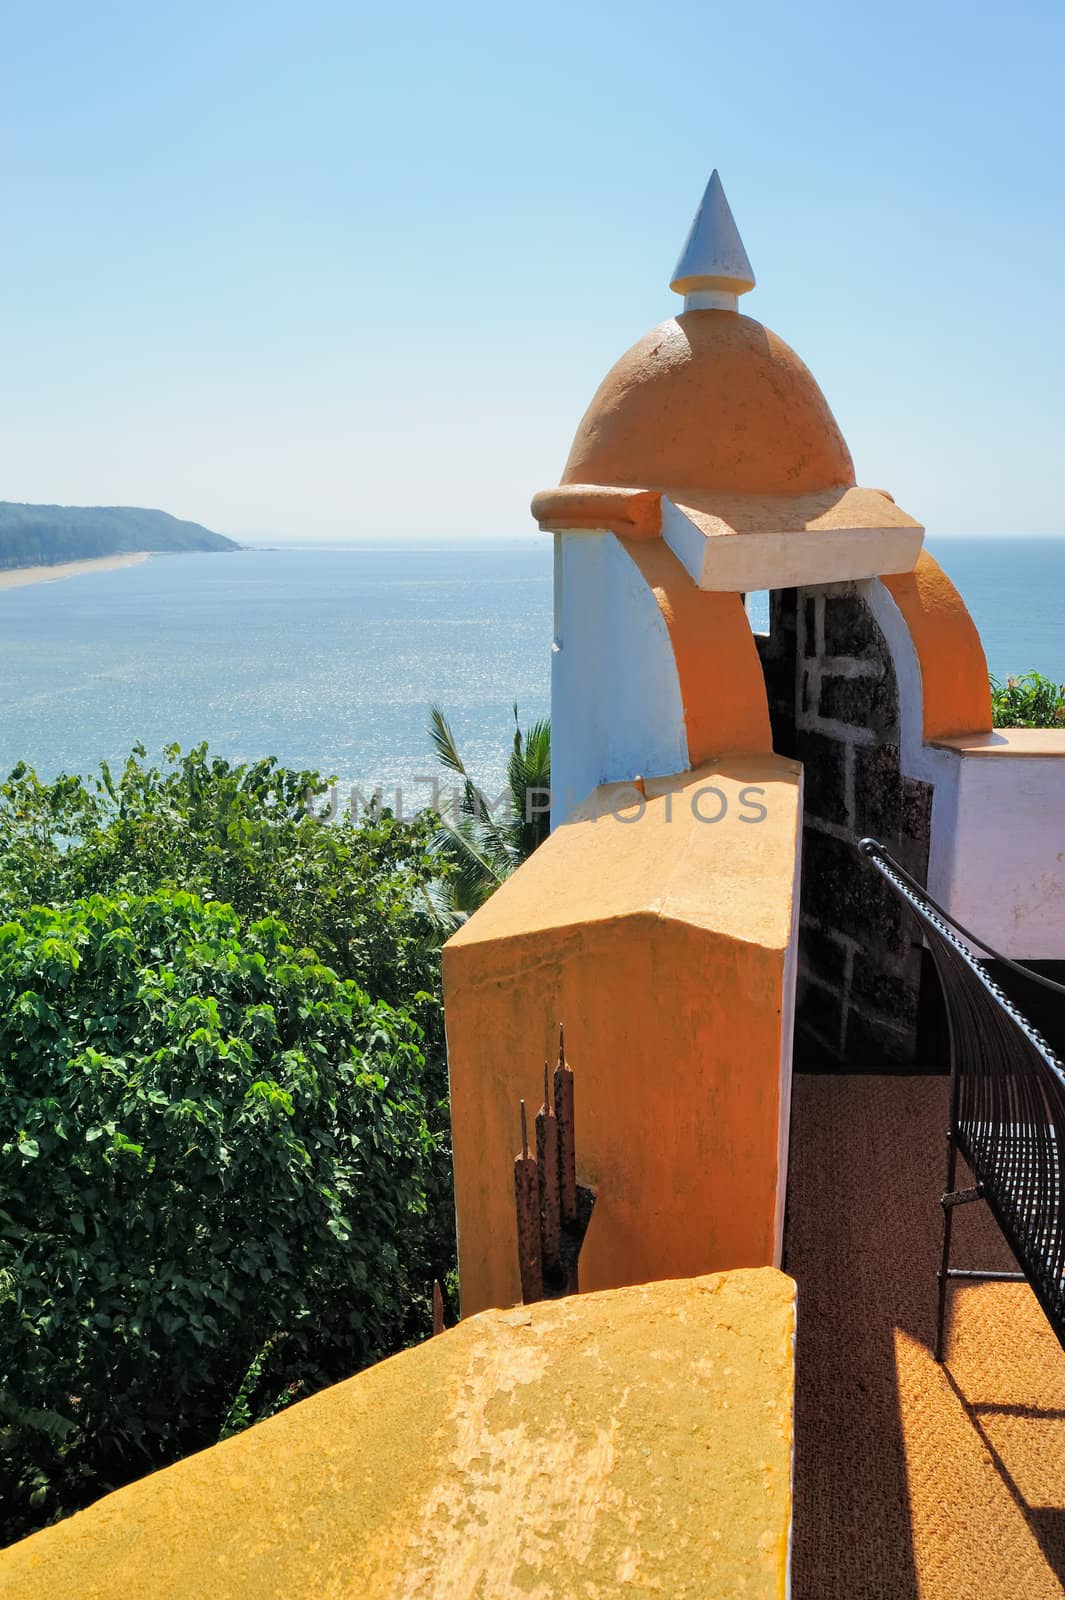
(663, 944)
(636, 1442)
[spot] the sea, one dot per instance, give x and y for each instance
(330, 658)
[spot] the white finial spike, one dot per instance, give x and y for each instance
(713, 270)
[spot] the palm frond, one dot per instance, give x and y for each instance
(529, 776)
(471, 800)
(481, 849)
(530, 760)
(475, 860)
(443, 741)
(441, 909)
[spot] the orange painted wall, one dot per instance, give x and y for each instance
(663, 946)
(722, 685)
(955, 687)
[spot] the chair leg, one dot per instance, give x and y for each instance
(944, 1261)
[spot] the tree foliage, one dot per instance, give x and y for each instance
(239, 833)
(1028, 701)
(480, 847)
(224, 1163)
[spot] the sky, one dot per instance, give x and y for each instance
(331, 271)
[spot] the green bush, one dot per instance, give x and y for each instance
(1028, 701)
(358, 895)
(122, 1019)
(214, 1160)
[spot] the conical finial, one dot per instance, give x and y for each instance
(713, 270)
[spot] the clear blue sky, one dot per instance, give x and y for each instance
(324, 270)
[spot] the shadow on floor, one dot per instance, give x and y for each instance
(912, 1481)
(1046, 1522)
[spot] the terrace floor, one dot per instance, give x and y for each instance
(912, 1480)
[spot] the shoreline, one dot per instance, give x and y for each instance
(20, 577)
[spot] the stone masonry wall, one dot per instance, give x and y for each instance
(833, 701)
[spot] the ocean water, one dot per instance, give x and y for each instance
(324, 658)
(329, 658)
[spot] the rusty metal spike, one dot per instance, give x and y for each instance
(438, 1307)
(566, 1137)
(561, 1045)
(527, 1203)
(547, 1161)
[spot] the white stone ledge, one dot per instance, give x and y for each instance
(721, 559)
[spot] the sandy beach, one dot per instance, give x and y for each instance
(18, 577)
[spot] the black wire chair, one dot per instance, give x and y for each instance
(1007, 1107)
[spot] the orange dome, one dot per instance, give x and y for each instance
(710, 400)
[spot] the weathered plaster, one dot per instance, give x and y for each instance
(662, 941)
(638, 1441)
(710, 400)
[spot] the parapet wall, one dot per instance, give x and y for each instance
(661, 931)
(632, 1442)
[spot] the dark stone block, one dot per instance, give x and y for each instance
(780, 683)
(782, 726)
(822, 956)
(834, 879)
(877, 791)
(773, 650)
(778, 657)
(825, 790)
(809, 642)
(783, 604)
(893, 992)
(916, 811)
(811, 1053)
(876, 1044)
(850, 629)
(862, 702)
(842, 890)
(780, 640)
(821, 1010)
(913, 855)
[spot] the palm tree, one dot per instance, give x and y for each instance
(480, 848)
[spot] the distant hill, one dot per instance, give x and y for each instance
(43, 536)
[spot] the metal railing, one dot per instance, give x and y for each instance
(1007, 1106)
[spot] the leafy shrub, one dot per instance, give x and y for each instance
(1028, 701)
(214, 1157)
(357, 895)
